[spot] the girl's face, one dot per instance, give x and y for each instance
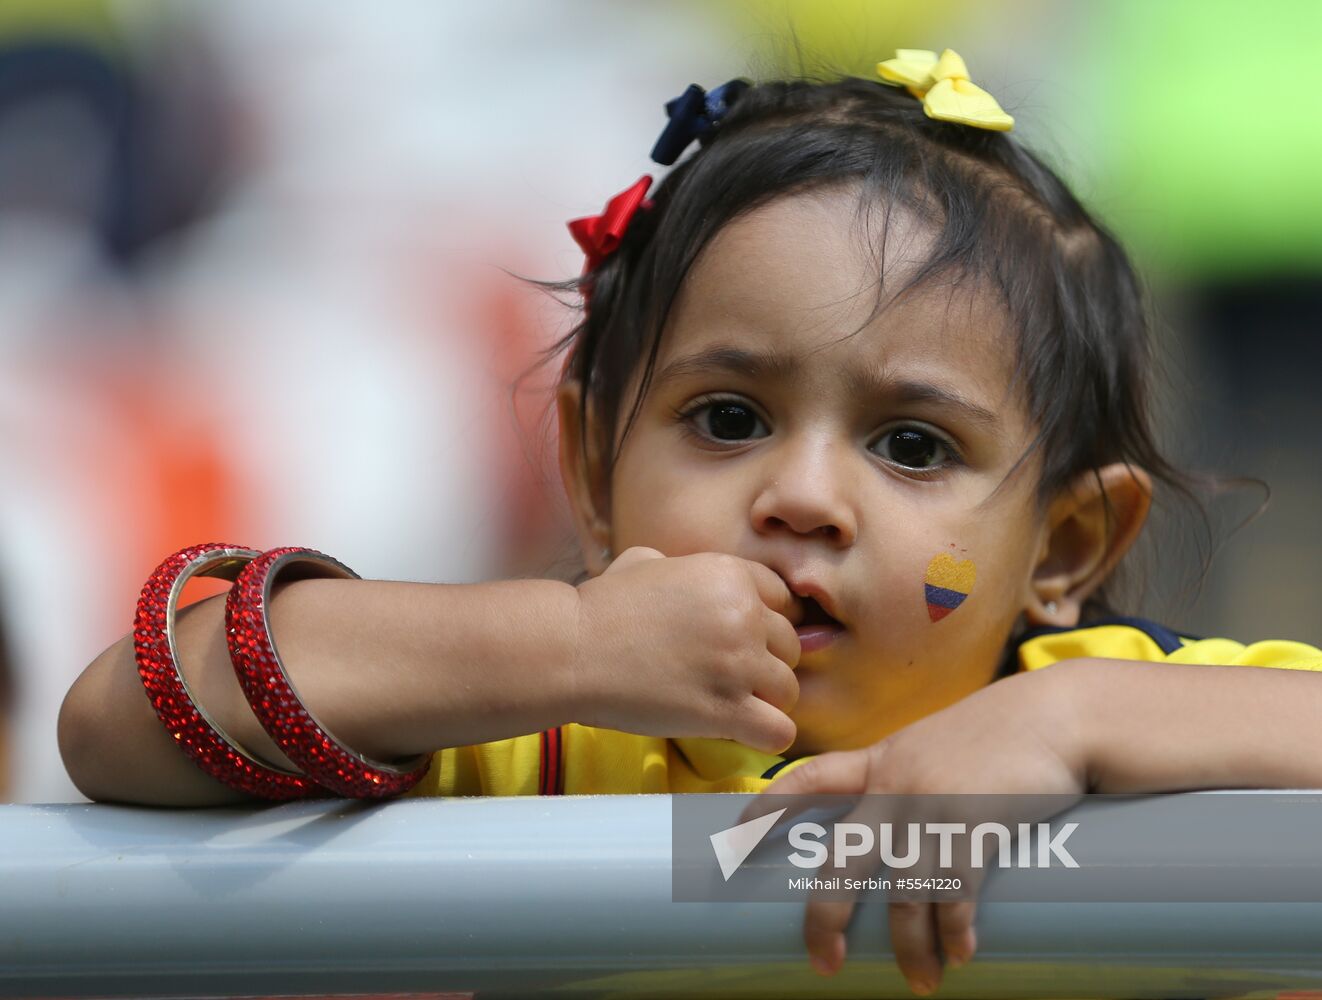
(864, 470)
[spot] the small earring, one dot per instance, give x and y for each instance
(1051, 607)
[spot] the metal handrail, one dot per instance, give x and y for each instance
(520, 896)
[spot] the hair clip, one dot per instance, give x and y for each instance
(944, 87)
(694, 114)
(599, 236)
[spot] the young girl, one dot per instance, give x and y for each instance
(854, 430)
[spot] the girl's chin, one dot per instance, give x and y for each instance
(826, 723)
(816, 735)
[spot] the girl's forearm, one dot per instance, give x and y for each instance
(1155, 727)
(392, 669)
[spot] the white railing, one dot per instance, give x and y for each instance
(514, 897)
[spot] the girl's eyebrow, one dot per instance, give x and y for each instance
(906, 391)
(870, 383)
(730, 360)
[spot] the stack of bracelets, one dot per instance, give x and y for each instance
(328, 767)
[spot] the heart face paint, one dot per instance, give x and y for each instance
(947, 583)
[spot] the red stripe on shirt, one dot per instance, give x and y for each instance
(553, 775)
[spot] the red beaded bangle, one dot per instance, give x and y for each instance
(158, 665)
(271, 693)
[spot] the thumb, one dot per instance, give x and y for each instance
(632, 556)
(843, 772)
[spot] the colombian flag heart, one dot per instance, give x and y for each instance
(947, 583)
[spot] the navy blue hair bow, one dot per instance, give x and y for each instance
(694, 114)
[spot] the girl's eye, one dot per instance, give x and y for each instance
(725, 420)
(913, 448)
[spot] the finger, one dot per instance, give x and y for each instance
(914, 940)
(777, 684)
(632, 556)
(824, 923)
(954, 930)
(763, 726)
(855, 860)
(774, 592)
(840, 773)
(844, 772)
(782, 640)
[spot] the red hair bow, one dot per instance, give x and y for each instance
(600, 235)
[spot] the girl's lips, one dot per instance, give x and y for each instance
(815, 637)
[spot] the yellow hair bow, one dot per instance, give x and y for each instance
(944, 87)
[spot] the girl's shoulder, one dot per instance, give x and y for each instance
(1123, 638)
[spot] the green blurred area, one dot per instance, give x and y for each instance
(1194, 126)
(89, 22)
(1217, 160)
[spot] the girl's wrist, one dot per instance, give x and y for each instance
(586, 700)
(1066, 710)
(556, 605)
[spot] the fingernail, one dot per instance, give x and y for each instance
(956, 959)
(921, 986)
(821, 966)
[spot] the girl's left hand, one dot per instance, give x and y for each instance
(1019, 735)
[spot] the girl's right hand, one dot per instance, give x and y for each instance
(696, 645)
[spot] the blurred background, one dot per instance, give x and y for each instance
(251, 282)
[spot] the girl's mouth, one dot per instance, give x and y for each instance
(817, 630)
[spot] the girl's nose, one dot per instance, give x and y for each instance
(807, 490)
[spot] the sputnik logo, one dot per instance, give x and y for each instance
(734, 845)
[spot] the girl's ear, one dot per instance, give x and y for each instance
(584, 482)
(1088, 528)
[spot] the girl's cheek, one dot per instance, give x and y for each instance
(916, 566)
(926, 592)
(897, 625)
